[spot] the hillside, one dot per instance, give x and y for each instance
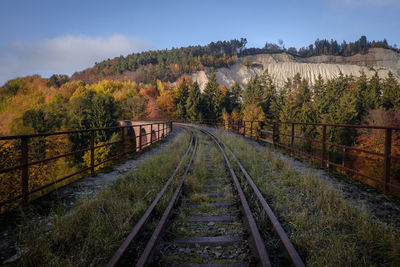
(234, 62)
(282, 66)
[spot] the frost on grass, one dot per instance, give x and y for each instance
(325, 228)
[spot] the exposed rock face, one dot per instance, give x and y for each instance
(282, 66)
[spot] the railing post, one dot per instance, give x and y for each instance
(24, 172)
(122, 141)
(323, 149)
(244, 128)
(92, 153)
(140, 137)
(388, 152)
(170, 129)
(292, 138)
(151, 134)
(274, 134)
(158, 131)
(251, 130)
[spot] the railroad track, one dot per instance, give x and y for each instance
(215, 227)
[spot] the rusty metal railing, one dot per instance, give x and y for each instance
(158, 130)
(269, 133)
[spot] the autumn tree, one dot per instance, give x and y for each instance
(254, 113)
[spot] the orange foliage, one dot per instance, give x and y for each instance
(374, 140)
(167, 103)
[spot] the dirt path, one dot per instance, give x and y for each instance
(65, 197)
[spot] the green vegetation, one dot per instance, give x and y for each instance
(169, 65)
(166, 65)
(325, 228)
(94, 229)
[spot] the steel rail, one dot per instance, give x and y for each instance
(122, 249)
(259, 247)
(293, 255)
(149, 249)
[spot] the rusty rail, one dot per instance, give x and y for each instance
(272, 136)
(161, 227)
(25, 164)
(262, 257)
(290, 250)
(139, 225)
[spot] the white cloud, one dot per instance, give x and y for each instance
(63, 54)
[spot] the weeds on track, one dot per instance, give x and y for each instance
(325, 228)
(92, 231)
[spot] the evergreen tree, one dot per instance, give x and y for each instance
(193, 108)
(361, 88)
(391, 93)
(372, 97)
(210, 108)
(182, 93)
(232, 98)
(253, 93)
(319, 99)
(268, 102)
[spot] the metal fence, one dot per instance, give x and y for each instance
(131, 138)
(289, 136)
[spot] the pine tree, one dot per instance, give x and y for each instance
(210, 107)
(232, 98)
(391, 93)
(373, 94)
(253, 93)
(193, 109)
(182, 93)
(269, 98)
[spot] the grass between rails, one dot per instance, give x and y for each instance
(325, 228)
(94, 229)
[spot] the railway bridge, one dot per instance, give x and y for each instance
(144, 133)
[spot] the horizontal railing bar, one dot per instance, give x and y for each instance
(11, 137)
(341, 146)
(267, 131)
(10, 169)
(42, 187)
(59, 180)
(108, 144)
(354, 172)
(109, 159)
(266, 141)
(58, 157)
(356, 149)
(342, 125)
(308, 139)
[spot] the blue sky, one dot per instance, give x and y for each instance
(45, 37)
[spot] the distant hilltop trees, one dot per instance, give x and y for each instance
(323, 47)
(169, 65)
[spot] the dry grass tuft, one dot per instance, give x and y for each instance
(326, 229)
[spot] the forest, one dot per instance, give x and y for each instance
(169, 65)
(38, 105)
